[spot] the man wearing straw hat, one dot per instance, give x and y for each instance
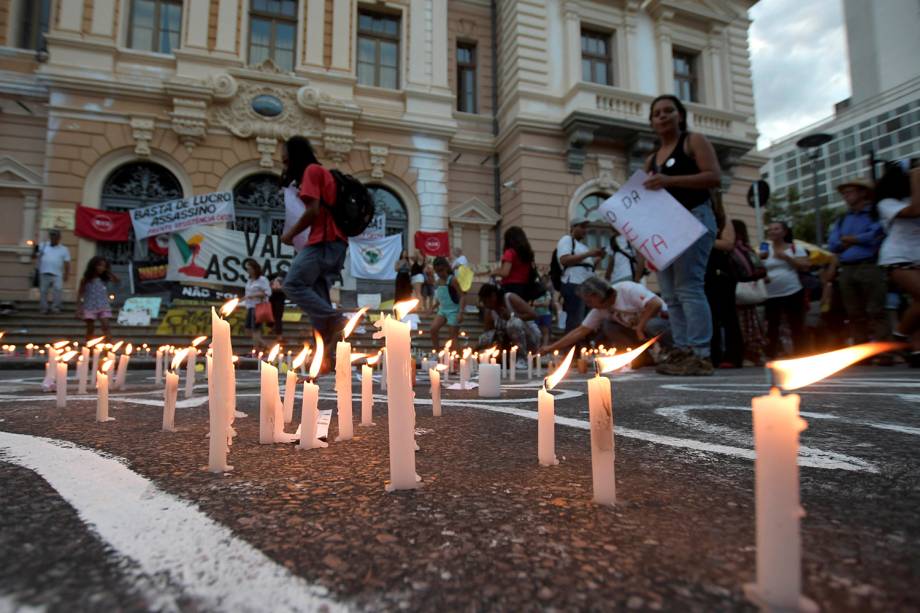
(855, 238)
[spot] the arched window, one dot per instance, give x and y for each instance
(259, 205)
(599, 231)
(388, 203)
(130, 186)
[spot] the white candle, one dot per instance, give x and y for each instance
(529, 366)
(61, 384)
(600, 410)
(464, 373)
(219, 409)
(512, 363)
(779, 547)
(268, 403)
(546, 428)
(401, 411)
(97, 351)
(343, 390)
(190, 372)
(539, 368)
(367, 396)
(29, 349)
(121, 371)
(83, 371)
(290, 390)
(171, 392)
(158, 375)
(436, 389)
(309, 414)
(102, 398)
(489, 380)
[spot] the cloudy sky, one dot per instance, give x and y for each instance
(799, 56)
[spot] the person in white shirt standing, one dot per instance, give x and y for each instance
(53, 271)
(577, 262)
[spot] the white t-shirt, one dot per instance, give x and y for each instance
(902, 245)
(784, 279)
(630, 301)
(622, 267)
(577, 273)
(293, 211)
(52, 258)
(254, 287)
(460, 261)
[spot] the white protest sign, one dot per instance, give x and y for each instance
(293, 210)
(655, 224)
(203, 210)
(208, 254)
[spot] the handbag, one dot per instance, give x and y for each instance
(264, 313)
(750, 293)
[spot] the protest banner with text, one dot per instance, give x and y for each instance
(184, 213)
(216, 255)
(655, 224)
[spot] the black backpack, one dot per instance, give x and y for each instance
(354, 207)
(555, 271)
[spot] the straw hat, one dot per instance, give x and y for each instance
(860, 182)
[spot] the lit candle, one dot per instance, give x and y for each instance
(546, 414)
(97, 352)
(158, 375)
(61, 379)
(512, 364)
(190, 365)
(383, 366)
(122, 367)
(367, 391)
(309, 410)
(290, 385)
(82, 371)
(435, 377)
(220, 409)
(30, 348)
(268, 400)
(102, 393)
(489, 376)
(539, 367)
(171, 392)
(343, 391)
(401, 411)
(529, 366)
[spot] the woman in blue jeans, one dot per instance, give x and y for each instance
(686, 165)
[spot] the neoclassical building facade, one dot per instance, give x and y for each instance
(466, 116)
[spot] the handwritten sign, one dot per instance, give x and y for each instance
(654, 223)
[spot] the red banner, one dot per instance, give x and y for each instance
(432, 243)
(99, 225)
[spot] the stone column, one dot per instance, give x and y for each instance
(457, 239)
(341, 34)
(712, 72)
(103, 11)
(484, 244)
(70, 16)
(227, 22)
(439, 43)
(196, 23)
(29, 214)
(316, 17)
(418, 41)
(665, 58)
(572, 48)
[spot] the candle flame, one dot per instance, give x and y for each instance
(441, 367)
(405, 307)
(317, 361)
(554, 379)
(301, 357)
(199, 340)
(357, 356)
(466, 353)
(799, 372)
(95, 341)
(60, 344)
(350, 326)
(67, 356)
(178, 359)
(114, 348)
(615, 362)
(372, 361)
(129, 349)
(228, 307)
(106, 366)
(273, 353)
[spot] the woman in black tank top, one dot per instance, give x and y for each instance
(686, 166)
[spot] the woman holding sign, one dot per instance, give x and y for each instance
(685, 164)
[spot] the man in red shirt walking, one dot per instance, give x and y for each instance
(319, 264)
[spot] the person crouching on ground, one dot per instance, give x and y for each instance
(508, 320)
(319, 264)
(449, 299)
(621, 316)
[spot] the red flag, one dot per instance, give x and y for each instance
(432, 243)
(99, 225)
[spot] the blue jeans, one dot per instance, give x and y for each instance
(573, 306)
(682, 287)
(313, 271)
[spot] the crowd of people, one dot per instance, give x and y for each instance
(723, 302)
